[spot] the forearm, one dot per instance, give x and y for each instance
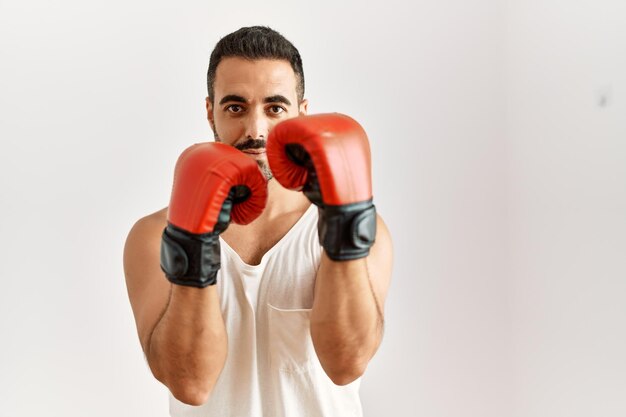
(188, 346)
(346, 321)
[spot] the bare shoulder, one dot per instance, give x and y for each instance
(143, 236)
(382, 231)
(155, 220)
(383, 246)
(380, 260)
(148, 289)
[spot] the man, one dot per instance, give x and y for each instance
(274, 321)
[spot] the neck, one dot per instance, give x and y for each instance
(281, 200)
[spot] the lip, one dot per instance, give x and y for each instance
(254, 151)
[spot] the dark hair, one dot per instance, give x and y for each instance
(256, 42)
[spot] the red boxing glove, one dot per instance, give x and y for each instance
(212, 182)
(327, 156)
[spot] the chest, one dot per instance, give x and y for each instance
(253, 241)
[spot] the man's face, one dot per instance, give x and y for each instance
(251, 97)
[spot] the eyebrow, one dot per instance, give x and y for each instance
(233, 97)
(271, 99)
(277, 99)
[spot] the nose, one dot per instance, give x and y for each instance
(257, 126)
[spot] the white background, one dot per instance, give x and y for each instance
(498, 131)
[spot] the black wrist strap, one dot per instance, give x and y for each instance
(347, 232)
(189, 259)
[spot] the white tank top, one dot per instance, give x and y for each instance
(272, 369)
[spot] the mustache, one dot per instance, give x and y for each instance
(251, 144)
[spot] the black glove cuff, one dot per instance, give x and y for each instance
(347, 232)
(189, 259)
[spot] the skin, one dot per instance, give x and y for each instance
(181, 329)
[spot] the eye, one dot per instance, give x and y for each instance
(234, 108)
(275, 110)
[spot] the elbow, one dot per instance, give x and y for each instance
(345, 374)
(341, 364)
(190, 390)
(191, 393)
(192, 384)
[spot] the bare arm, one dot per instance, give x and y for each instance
(348, 309)
(181, 329)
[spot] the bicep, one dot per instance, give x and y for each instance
(148, 289)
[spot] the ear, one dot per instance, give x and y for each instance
(303, 107)
(209, 113)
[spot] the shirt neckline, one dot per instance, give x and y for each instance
(297, 225)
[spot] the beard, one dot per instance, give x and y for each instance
(265, 169)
